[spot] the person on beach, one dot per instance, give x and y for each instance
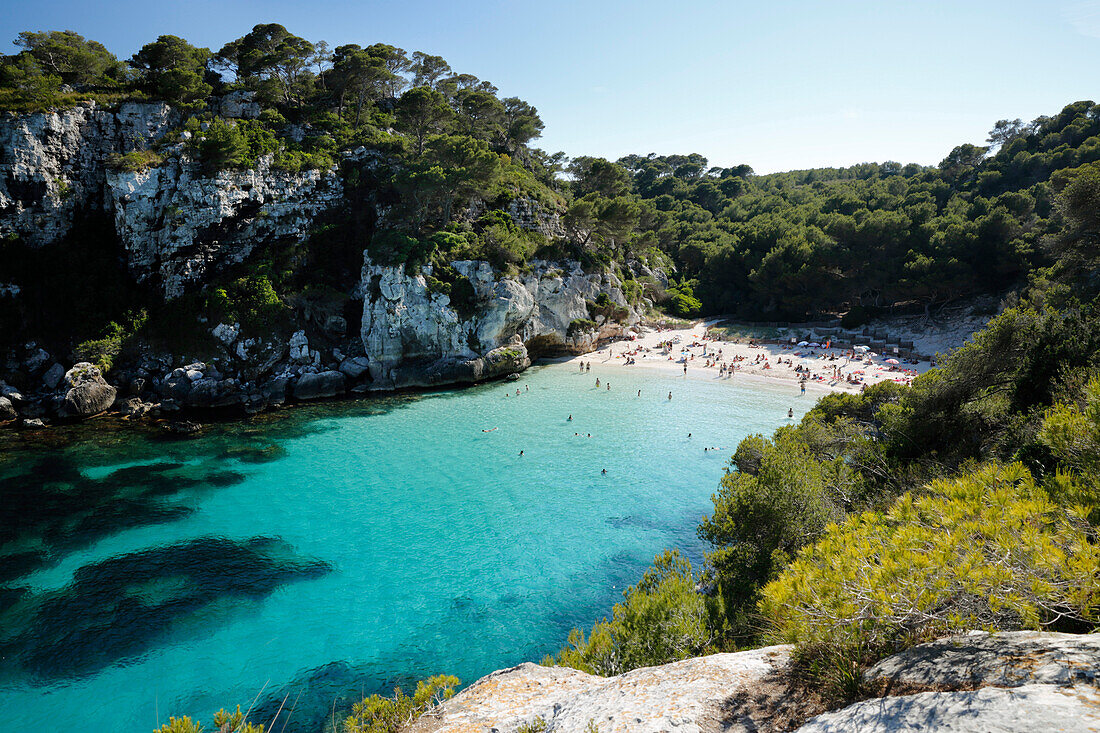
(790, 412)
(609, 386)
(639, 393)
(670, 395)
(803, 386)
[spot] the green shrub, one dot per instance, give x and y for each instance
(223, 721)
(779, 498)
(988, 549)
(135, 161)
(580, 325)
(377, 714)
(250, 300)
(661, 619)
(228, 146)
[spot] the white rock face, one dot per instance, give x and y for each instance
(1011, 683)
(54, 163)
(988, 710)
(682, 696)
(405, 324)
(1006, 659)
(179, 225)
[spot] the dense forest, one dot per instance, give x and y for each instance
(781, 246)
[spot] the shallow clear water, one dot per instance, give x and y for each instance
(339, 549)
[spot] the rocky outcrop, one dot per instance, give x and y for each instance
(88, 392)
(977, 683)
(179, 226)
(54, 164)
(177, 223)
(988, 710)
(316, 386)
(683, 696)
(1006, 659)
(413, 336)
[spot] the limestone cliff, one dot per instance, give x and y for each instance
(1009, 682)
(414, 337)
(179, 227)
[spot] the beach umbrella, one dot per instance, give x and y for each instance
(803, 343)
(814, 344)
(892, 361)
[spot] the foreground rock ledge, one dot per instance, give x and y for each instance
(683, 696)
(974, 683)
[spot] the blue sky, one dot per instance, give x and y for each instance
(777, 85)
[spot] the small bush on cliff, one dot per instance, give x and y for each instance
(580, 325)
(661, 619)
(250, 300)
(377, 714)
(223, 721)
(134, 161)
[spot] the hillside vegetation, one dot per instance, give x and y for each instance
(782, 246)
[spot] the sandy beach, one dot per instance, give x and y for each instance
(821, 369)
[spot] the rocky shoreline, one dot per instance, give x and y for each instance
(178, 228)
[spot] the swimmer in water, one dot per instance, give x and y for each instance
(488, 431)
(689, 435)
(570, 419)
(639, 393)
(604, 472)
(597, 381)
(670, 395)
(521, 454)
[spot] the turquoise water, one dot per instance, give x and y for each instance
(336, 550)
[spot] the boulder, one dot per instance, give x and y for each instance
(355, 366)
(32, 423)
(214, 393)
(7, 410)
(1005, 659)
(299, 348)
(88, 392)
(274, 390)
(226, 333)
(315, 386)
(13, 394)
(53, 376)
(1023, 709)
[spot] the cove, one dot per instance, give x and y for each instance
(341, 549)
